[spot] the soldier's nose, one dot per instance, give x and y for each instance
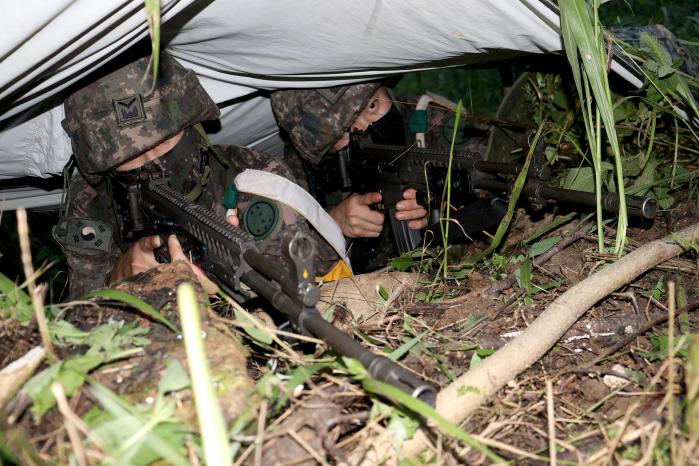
(361, 124)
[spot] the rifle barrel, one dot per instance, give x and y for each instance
(311, 323)
(636, 206)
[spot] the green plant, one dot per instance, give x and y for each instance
(211, 423)
(583, 43)
(141, 434)
(662, 345)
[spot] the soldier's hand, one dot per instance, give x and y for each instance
(176, 253)
(232, 217)
(141, 257)
(355, 217)
(138, 258)
(408, 209)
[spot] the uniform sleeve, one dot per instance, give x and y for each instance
(89, 270)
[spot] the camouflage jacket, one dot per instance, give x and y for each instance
(90, 269)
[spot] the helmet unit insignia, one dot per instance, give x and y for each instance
(129, 110)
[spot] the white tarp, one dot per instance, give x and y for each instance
(238, 47)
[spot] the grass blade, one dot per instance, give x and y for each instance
(211, 424)
(125, 298)
(425, 410)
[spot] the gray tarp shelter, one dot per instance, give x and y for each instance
(238, 48)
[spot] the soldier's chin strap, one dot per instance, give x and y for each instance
(206, 147)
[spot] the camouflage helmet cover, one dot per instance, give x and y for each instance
(315, 119)
(118, 117)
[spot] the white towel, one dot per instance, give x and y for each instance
(287, 192)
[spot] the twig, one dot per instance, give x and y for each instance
(35, 292)
(670, 395)
(622, 429)
(650, 448)
(68, 415)
(551, 423)
(508, 281)
(306, 447)
(690, 307)
(260, 432)
(509, 448)
(507, 304)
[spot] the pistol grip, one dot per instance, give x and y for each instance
(406, 239)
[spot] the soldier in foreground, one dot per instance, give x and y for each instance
(121, 126)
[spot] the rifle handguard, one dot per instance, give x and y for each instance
(231, 258)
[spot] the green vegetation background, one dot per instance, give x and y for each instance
(481, 89)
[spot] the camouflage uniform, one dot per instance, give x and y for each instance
(118, 118)
(315, 119)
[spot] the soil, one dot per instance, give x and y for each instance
(326, 416)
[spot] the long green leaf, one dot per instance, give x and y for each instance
(154, 443)
(425, 410)
(444, 224)
(514, 196)
(582, 38)
(153, 17)
(122, 297)
(403, 349)
(211, 424)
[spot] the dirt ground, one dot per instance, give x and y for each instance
(602, 379)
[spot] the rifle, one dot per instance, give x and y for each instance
(390, 170)
(230, 257)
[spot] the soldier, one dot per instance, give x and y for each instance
(122, 125)
(318, 122)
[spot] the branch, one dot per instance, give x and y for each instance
(493, 373)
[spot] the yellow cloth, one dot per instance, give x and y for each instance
(339, 270)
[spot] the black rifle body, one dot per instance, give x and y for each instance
(229, 256)
(391, 170)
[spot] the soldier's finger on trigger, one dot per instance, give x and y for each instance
(369, 198)
(175, 249)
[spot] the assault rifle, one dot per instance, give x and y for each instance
(390, 170)
(230, 257)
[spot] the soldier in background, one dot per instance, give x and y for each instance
(318, 122)
(122, 125)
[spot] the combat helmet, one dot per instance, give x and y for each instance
(315, 119)
(122, 115)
